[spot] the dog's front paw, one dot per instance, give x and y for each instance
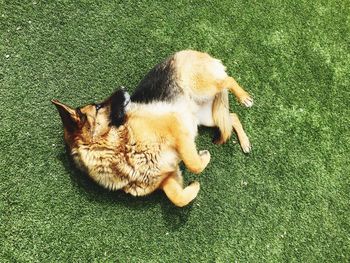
(247, 101)
(205, 157)
(195, 186)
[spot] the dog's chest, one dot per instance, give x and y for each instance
(99, 164)
(115, 168)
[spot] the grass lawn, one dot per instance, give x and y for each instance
(287, 201)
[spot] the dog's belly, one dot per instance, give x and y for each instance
(204, 113)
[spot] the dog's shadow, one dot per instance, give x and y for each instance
(175, 217)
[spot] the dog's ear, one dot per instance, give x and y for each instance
(118, 101)
(68, 115)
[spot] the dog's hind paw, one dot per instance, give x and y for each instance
(247, 101)
(245, 144)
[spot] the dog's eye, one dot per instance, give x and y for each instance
(98, 106)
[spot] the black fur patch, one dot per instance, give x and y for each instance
(117, 102)
(158, 85)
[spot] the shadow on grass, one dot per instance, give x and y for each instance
(174, 216)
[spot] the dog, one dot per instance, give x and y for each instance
(137, 144)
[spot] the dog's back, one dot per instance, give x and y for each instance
(160, 84)
(186, 73)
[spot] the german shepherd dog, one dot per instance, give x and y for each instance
(136, 145)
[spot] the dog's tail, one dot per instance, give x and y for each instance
(221, 116)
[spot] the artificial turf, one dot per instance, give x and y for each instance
(287, 201)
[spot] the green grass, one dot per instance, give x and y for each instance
(288, 201)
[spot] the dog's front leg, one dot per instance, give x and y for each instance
(194, 161)
(178, 195)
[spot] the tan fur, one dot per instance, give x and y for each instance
(143, 154)
(221, 116)
(176, 193)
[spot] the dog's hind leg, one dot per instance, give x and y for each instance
(225, 121)
(242, 136)
(174, 190)
(242, 96)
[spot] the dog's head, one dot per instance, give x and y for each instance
(93, 121)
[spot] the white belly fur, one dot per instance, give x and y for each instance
(204, 113)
